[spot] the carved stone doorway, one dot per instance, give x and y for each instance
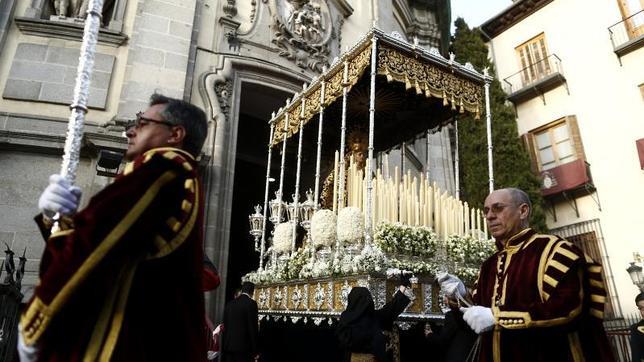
(255, 107)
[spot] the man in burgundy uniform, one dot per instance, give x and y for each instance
(539, 297)
(122, 279)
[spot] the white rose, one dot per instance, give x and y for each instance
(283, 238)
(323, 226)
(350, 225)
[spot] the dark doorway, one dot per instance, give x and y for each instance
(256, 104)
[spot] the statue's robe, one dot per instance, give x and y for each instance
(125, 280)
(548, 301)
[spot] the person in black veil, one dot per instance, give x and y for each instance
(361, 327)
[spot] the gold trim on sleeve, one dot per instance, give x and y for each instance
(575, 347)
(183, 233)
(40, 313)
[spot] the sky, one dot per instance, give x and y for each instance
(476, 12)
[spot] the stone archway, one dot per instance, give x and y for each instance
(241, 93)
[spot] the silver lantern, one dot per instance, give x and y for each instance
(256, 221)
(294, 209)
(306, 211)
(277, 208)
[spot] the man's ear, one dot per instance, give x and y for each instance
(524, 209)
(177, 135)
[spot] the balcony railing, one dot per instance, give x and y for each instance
(535, 79)
(628, 34)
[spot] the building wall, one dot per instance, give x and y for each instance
(606, 100)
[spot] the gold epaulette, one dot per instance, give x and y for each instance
(178, 227)
(34, 321)
(559, 260)
(596, 286)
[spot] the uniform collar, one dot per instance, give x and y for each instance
(147, 155)
(517, 239)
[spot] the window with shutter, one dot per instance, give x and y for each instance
(633, 16)
(555, 144)
(533, 59)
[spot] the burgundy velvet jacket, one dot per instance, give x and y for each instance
(548, 300)
(124, 282)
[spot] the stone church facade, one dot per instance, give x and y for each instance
(238, 60)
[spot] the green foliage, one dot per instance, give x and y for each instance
(511, 159)
(408, 240)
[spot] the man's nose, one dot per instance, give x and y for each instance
(129, 133)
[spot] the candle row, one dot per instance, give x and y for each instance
(411, 201)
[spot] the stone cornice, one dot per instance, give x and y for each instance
(67, 31)
(513, 14)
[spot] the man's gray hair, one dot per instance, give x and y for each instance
(520, 197)
(191, 117)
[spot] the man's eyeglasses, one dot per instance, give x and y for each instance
(141, 121)
(496, 208)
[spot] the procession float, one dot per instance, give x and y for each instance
(361, 223)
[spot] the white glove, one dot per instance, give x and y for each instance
(480, 319)
(59, 197)
(26, 353)
(451, 284)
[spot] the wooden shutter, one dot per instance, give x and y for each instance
(528, 140)
(573, 128)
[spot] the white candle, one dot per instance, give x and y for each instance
(335, 184)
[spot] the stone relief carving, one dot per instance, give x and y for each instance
(302, 32)
(224, 90)
(75, 8)
(337, 34)
(230, 9)
(253, 10)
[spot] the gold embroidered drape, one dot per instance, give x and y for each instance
(415, 72)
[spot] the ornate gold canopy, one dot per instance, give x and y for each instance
(422, 70)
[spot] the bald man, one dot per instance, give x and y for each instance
(539, 297)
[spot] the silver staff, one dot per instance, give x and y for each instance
(372, 117)
(81, 91)
(488, 119)
(319, 152)
(74, 136)
(268, 180)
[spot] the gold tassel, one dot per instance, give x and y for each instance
(453, 104)
(445, 101)
(461, 109)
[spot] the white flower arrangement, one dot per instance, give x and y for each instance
(468, 253)
(350, 228)
(321, 268)
(399, 239)
(323, 228)
(467, 250)
(371, 259)
(283, 238)
(296, 262)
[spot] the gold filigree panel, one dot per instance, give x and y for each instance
(416, 305)
(357, 62)
(431, 80)
(341, 289)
